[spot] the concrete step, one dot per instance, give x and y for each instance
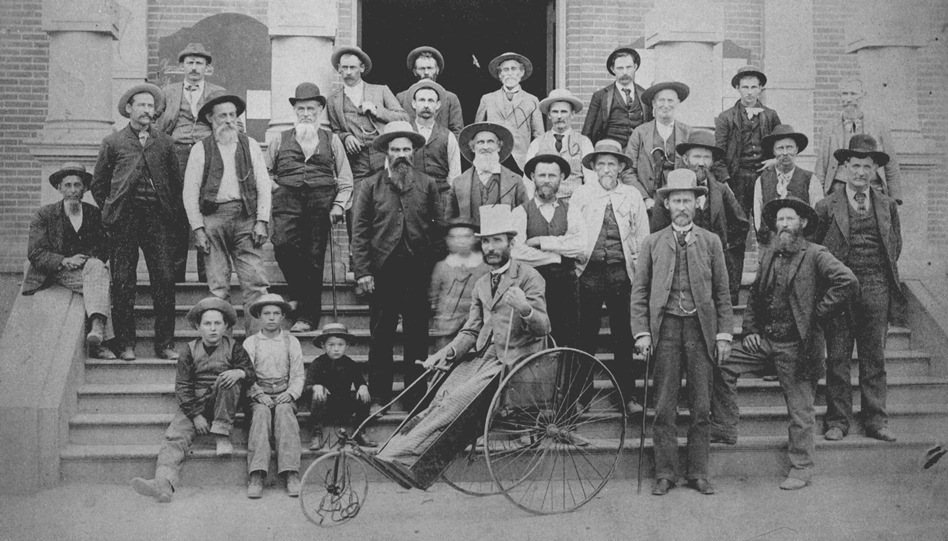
(190, 292)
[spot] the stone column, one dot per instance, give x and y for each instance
(683, 35)
(302, 35)
(130, 51)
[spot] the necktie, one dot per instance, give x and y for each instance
(860, 202)
(142, 137)
(681, 236)
(559, 142)
(494, 282)
(782, 182)
(192, 99)
(628, 97)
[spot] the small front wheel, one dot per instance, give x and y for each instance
(334, 488)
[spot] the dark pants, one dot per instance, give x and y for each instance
(144, 226)
(865, 323)
(742, 184)
(301, 231)
(401, 287)
(681, 348)
(182, 153)
(799, 393)
(364, 164)
(339, 409)
(562, 303)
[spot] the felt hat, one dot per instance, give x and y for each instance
(531, 164)
(366, 61)
(69, 169)
(782, 131)
(394, 130)
(524, 61)
(496, 220)
(307, 92)
(215, 98)
(862, 146)
(747, 71)
(195, 49)
(560, 94)
(268, 299)
(622, 50)
(332, 329)
(769, 215)
(212, 303)
(461, 222)
(138, 89)
(680, 88)
(681, 180)
(701, 139)
(427, 83)
(416, 52)
(470, 132)
(609, 147)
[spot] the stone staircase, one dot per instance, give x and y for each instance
(124, 408)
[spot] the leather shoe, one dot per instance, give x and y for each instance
(662, 486)
(102, 352)
(702, 485)
(160, 489)
(726, 440)
(255, 485)
(301, 326)
(128, 354)
(792, 483)
(292, 484)
(96, 334)
(882, 434)
(632, 407)
(168, 354)
(834, 434)
(364, 441)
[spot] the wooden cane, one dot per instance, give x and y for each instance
(332, 271)
(648, 361)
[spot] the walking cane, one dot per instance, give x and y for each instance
(332, 270)
(648, 361)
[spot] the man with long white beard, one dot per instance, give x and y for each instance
(398, 217)
(485, 145)
(799, 284)
(227, 200)
(313, 188)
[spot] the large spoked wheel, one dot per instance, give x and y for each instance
(564, 410)
(333, 489)
(469, 473)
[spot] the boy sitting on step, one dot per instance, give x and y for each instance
(211, 375)
(328, 387)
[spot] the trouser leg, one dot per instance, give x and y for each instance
(409, 279)
(225, 400)
(870, 336)
(158, 243)
(383, 320)
(699, 375)
(124, 266)
(668, 359)
(220, 241)
(287, 435)
(618, 305)
(592, 291)
(183, 235)
(799, 392)
(725, 413)
(258, 439)
(562, 296)
(248, 259)
(839, 350)
(178, 438)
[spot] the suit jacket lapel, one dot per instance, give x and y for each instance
(795, 264)
(841, 214)
(506, 280)
(882, 218)
(607, 106)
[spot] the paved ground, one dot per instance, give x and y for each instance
(906, 507)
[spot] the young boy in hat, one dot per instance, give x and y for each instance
(212, 372)
(452, 282)
(277, 358)
(328, 386)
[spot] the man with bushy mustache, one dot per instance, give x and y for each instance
(227, 200)
(313, 187)
(397, 217)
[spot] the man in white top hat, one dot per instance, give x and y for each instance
(562, 140)
(511, 105)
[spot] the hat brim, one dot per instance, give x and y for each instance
(546, 103)
(524, 61)
(471, 130)
(185, 54)
(768, 143)
(531, 164)
(736, 80)
(57, 177)
(769, 214)
(628, 50)
(717, 153)
(590, 159)
(258, 305)
(462, 223)
(431, 85)
(139, 89)
(366, 61)
(208, 107)
(681, 89)
(415, 53)
(661, 193)
(224, 307)
(381, 142)
(320, 340)
(510, 232)
(320, 99)
(843, 154)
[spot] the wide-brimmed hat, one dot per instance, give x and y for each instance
(427, 83)
(268, 299)
(195, 49)
(366, 61)
(862, 146)
(496, 220)
(524, 61)
(622, 50)
(70, 169)
(701, 139)
(471, 130)
(606, 146)
(460, 221)
(782, 131)
(531, 164)
(212, 303)
(769, 215)
(216, 98)
(680, 88)
(416, 52)
(748, 71)
(560, 94)
(681, 180)
(394, 130)
(332, 329)
(139, 89)
(307, 92)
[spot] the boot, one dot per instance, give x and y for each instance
(255, 485)
(292, 483)
(159, 488)
(96, 333)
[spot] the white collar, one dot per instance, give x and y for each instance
(685, 229)
(199, 84)
(514, 91)
(358, 89)
(541, 204)
(630, 87)
(851, 195)
(502, 269)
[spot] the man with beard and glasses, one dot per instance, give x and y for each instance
(440, 157)
(485, 145)
(861, 227)
(680, 303)
(511, 105)
(617, 109)
(137, 185)
(652, 144)
(398, 219)
(785, 178)
(427, 63)
(799, 287)
(227, 200)
(560, 107)
(717, 211)
(313, 189)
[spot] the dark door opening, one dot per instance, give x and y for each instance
(463, 31)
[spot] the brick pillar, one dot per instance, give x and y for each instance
(683, 36)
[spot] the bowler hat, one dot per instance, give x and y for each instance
(681, 180)
(268, 299)
(194, 49)
(701, 139)
(212, 303)
(460, 221)
(862, 146)
(140, 89)
(332, 329)
(416, 52)
(680, 88)
(560, 94)
(71, 169)
(470, 132)
(748, 71)
(427, 83)
(769, 215)
(496, 220)
(366, 61)
(307, 92)
(622, 50)
(782, 131)
(609, 147)
(394, 130)
(531, 164)
(524, 61)
(216, 98)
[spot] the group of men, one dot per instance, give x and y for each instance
(639, 213)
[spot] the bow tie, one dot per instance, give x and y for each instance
(753, 111)
(192, 88)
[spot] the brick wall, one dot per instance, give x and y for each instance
(24, 65)
(933, 109)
